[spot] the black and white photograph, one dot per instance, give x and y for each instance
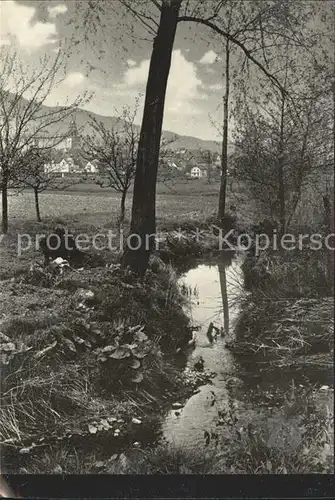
(167, 240)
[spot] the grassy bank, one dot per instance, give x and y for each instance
(288, 316)
(83, 355)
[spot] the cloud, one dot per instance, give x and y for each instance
(184, 86)
(215, 86)
(74, 86)
(16, 24)
(131, 63)
(209, 57)
(57, 9)
(137, 75)
(73, 79)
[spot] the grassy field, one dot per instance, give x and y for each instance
(179, 185)
(88, 209)
(102, 206)
(92, 204)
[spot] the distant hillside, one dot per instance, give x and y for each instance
(83, 117)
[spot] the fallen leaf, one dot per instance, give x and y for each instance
(92, 429)
(137, 378)
(99, 464)
(109, 348)
(139, 353)
(25, 451)
(136, 420)
(77, 339)
(135, 364)
(69, 344)
(120, 353)
(41, 353)
(177, 405)
(140, 336)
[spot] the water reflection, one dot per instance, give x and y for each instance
(224, 295)
(218, 287)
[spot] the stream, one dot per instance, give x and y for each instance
(217, 287)
(240, 395)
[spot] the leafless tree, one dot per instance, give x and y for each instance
(24, 119)
(114, 151)
(35, 172)
(284, 145)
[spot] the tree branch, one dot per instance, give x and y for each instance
(235, 41)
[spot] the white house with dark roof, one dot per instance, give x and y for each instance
(198, 173)
(91, 167)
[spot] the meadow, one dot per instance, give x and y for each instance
(88, 203)
(88, 212)
(70, 204)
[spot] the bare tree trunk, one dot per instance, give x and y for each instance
(123, 206)
(331, 262)
(328, 204)
(281, 182)
(37, 205)
(293, 209)
(209, 171)
(4, 190)
(224, 154)
(143, 221)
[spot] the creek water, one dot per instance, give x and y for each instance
(240, 394)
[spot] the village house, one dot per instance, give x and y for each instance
(198, 172)
(67, 158)
(91, 167)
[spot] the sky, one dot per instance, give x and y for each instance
(114, 66)
(110, 60)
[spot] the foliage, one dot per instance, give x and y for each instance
(300, 333)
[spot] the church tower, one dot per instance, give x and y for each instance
(74, 136)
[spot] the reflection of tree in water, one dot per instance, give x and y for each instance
(224, 295)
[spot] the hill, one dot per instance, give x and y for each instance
(83, 118)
